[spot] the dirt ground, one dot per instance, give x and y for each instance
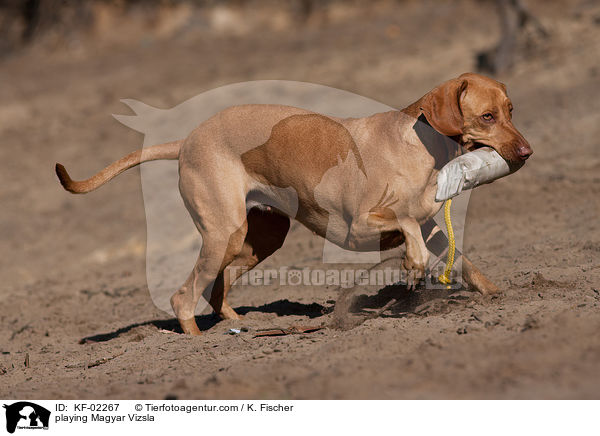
(73, 267)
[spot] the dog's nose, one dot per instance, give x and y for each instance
(524, 151)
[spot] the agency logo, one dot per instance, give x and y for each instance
(27, 416)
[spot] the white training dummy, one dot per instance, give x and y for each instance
(469, 170)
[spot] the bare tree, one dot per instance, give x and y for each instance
(515, 18)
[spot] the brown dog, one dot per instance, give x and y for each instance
(362, 183)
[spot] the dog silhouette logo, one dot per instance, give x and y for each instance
(26, 415)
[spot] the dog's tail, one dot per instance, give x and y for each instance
(169, 150)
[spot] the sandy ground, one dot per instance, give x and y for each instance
(74, 267)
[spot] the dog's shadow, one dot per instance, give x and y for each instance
(405, 302)
(355, 306)
(286, 308)
(206, 322)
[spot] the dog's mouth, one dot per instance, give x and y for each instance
(472, 146)
(475, 145)
(512, 158)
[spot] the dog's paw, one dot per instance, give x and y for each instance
(415, 273)
(413, 278)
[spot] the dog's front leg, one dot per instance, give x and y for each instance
(417, 256)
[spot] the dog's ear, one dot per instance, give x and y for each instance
(441, 107)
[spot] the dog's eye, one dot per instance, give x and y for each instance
(487, 117)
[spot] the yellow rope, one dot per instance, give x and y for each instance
(445, 277)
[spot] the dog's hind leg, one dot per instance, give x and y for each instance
(219, 213)
(266, 233)
(218, 250)
(476, 279)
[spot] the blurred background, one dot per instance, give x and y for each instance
(74, 266)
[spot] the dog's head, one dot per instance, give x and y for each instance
(476, 111)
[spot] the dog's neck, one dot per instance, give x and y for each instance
(413, 110)
(442, 148)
